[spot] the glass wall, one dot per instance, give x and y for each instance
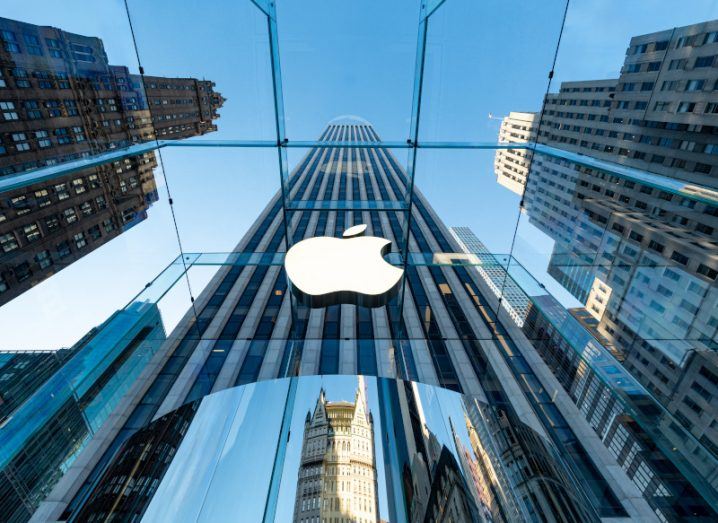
(352, 447)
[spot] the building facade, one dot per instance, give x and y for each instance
(640, 255)
(494, 273)
(56, 403)
(337, 477)
(61, 100)
(512, 166)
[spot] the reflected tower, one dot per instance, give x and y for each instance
(337, 475)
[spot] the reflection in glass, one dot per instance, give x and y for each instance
(61, 100)
(52, 404)
(622, 182)
(359, 449)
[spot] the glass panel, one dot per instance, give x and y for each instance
(334, 58)
(361, 447)
(229, 57)
(469, 84)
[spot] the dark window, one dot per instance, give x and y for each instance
(680, 258)
(707, 271)
(704, 61)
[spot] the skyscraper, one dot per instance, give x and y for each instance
(61, 100)
(512, 166)
(56, 403)
(337, 475)
(640, 251)
(494, 272)
(447, 333)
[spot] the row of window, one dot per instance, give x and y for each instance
(696, 40)
(595, 89)
(664, 142)
(44, 259)
(552, 100)
(33, 46)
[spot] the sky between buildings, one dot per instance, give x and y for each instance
(337, 58)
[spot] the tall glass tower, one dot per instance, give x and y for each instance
(446, 327)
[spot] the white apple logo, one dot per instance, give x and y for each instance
(325, 271)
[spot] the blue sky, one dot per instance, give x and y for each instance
(337, 58)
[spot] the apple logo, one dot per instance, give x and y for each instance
(325, 271)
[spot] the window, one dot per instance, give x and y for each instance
(61, 191)
(679, 63)
(702, 168)
(20, 204)
(635, 236)
(647, 86)
(94, 232)
(52, 223)
(79, 240)
(63, 249)
(661, 106)
(22, 271)
(8, 242)
(704, 61)
(655, 246)
(43, 259)
(32, 232)
(54, 47)
(32, 44)
(70, 215)
(42, 198)
(686, 107)
(680, 258)
(79, 185)
(707, 271)
(695, 85)
(9, 41)
(653, 66)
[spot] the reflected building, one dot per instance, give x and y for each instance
(55, 403)
(494, 273)
(337, 476)
(61, 101)
(512, 166)
(23, 372)
(642, 253)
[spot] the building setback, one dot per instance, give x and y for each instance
(60, 101)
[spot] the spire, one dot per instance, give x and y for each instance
(320, 413)
(360, 402)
